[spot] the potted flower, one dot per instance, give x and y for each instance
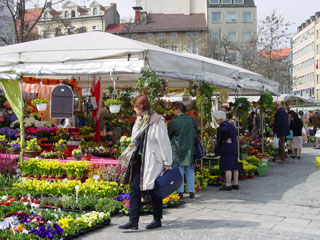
(124, 142)
(32, 148)
(76, 153)
(61, 147)
(113, 104)
(3, 144)
(40, 103)
(14, 147)
(85, 150)
(244, 151)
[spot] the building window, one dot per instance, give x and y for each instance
(215, 36)
(149, 35)
(174, 35)
(231, 17)
(214, 1)
(246, 56)
(246, 36)
(46, 34)
(66, 14)
(238, 1)
(195, 35)
(226, 1)
(73, 13)
(232, 36)
(94, 27)
(232, 56)
(216, 17)
(174, 48)
(246, 17)
(95, 11)
(45, 16)
(161, 35)
(192, 48)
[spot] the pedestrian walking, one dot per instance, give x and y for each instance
(281, 128)
(182, 132)
(146, 156)
(226, 148)
(296, 126)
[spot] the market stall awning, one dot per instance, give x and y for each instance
(97, 53)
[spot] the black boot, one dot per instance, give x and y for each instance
(191, 195)
(154, 224)
(129, 225)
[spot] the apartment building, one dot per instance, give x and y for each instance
(74, 18)
(304, 52)
(177, 32)
(317, 57)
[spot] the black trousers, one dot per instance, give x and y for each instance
(135, 197)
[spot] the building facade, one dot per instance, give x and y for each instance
(317, 57)
(304, 59)
(177, 32)
(6, 25)
(76, 19)
(232, 25)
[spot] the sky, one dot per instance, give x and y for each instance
(294, 11)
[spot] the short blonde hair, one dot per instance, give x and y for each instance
(219, 115)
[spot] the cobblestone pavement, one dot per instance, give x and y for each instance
(283, 205)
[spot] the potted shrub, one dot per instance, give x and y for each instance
(14, 147)
(113, 104)
(40, 103)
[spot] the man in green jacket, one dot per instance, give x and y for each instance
(182, 131)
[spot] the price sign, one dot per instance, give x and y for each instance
(96, 177)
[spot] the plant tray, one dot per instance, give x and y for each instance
(87, 230)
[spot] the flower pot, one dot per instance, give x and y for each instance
(62, 156)
(14, 152)
(31, 154)
(243, 156)
(78, 158)
(59, 177)
(204, 183)
(87, 157)
(41, 106)
(114, 108)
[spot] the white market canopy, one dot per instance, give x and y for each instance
(85, 55)
(297, 99)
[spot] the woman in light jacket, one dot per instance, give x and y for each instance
(147, 155)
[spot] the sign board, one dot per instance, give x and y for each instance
(62, 102)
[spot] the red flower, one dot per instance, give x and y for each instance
(126, 134)
(6, 203)
(0, 203)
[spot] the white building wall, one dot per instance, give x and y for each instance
(303, 62)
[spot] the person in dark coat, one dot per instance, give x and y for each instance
(281, 128)
(182, 132)
(227, 148)
(296, 126)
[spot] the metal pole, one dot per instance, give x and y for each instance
(21, 125)
(201, 126)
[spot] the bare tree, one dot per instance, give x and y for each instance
(23, 28)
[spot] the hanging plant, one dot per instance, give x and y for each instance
(242, 107)
(152, 86)
(266, 102)
(224, 96)
(205, 96)
(113, 104)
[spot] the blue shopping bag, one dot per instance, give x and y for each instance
(168, 182)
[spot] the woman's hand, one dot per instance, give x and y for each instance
(229, 140)
(167, 167)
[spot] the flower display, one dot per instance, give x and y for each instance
(85, 131)
(32, 145)
(77, 169)
(39, 101)
(60, 146)
(50, 154)
(247, 167)
(15, 145)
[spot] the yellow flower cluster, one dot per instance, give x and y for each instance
(90, 219)
(172, 198)
(247, 167)
(2, 138)
(32, 145)
(76, 152)
(39, 101)
(77, 169)
(88, 188)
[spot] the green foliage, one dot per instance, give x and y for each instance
(110, 102)
(150, 85)
(205, 96)
(242, 107)
(266, 102)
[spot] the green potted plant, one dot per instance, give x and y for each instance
(40, 103)
(113, 104)
(61, 148)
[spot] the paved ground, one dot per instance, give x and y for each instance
(283, 205)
